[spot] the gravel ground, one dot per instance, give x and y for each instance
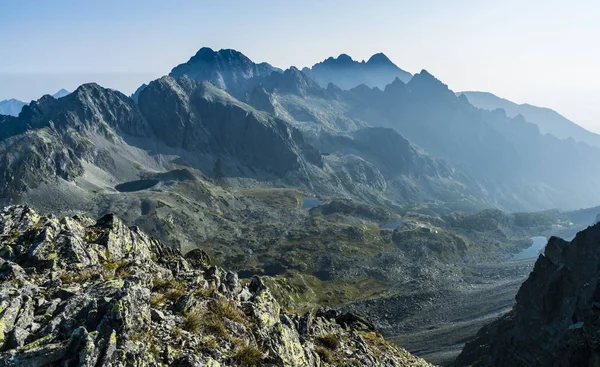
(447, 323)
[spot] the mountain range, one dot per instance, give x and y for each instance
(347, 73)
(548, 120)
(513, 168)
(351, 184)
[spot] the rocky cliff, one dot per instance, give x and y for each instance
(81, 292)
(556, 321)
(199, 117)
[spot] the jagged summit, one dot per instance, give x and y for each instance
(13, 107)
(88, 88)
(341, 60)
(424, 75)
(228, 69)
(380, 59)
(204, 53)
(395, 86)
(425, 81)
(292, 80)
(208, 54)
(347, 73)
(83, 292)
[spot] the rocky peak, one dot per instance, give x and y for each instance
(424, 78)
(37, 110)
(397, 86)
(341, 61)
(76, 291)
(227, 56)
(380, 59)
(228, 69)
(292, 81)
(425, 83)
(205, 54)
(92, 106)
(347, 73)
(556, 320)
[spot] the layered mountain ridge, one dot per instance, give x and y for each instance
(548, 120)
(510, 169)
(347, 73)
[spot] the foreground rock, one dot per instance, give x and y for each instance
(556, 319)
(79, 292)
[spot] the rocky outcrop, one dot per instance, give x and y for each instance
(81, 292)
(556, 321)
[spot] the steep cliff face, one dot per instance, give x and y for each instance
(199, 117)
(556, 321)
(81, 292)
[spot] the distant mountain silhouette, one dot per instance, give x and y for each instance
(11, 107)
(509, 155)
(61, 93)
(548, 120)
(347, 73)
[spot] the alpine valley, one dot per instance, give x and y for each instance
(328, 216)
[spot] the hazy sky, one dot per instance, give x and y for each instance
(542, 52)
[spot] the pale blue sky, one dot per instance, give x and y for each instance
(542, 52)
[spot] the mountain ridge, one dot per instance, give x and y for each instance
(548, 120)
(13, 107)
(347, 73)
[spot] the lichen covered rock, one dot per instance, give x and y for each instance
(98, 293)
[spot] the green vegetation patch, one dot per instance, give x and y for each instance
(276, 197)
